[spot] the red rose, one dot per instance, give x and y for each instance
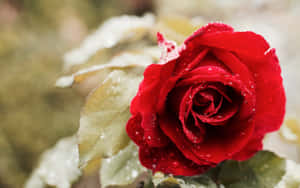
(214, 101)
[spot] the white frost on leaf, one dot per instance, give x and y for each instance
(107, 35)
(65, 81)
(291, 177)
(58, 166)
(121, 169)
(121, 61)
(104, 115)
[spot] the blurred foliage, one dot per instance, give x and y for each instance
(34, 114)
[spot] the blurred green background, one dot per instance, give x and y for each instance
(34, 35)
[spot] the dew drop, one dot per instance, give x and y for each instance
(253, 109)
(209, 69)
(230, 83)
(153, 166)
(134, 173)
(208, 155)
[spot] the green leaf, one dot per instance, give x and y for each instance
(123, 168)
(201, 181)
(104, 116)
(264, 170)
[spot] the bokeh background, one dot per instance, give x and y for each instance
(34, 35)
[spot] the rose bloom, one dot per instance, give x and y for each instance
(214, 101)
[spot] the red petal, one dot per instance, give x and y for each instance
(218, 145)
(242, 71)
(254, 145)
(150, 135)
(253, 50)
(170, 75)
(222, 117)
(270, 95)
(218, 74)
(135, 131)
(195, 133)
(170, 161)
(246, 43)
(210, 28)
(146, 97)
(153, 135)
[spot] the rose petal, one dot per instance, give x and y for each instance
(153, 135)
(270, 95)
(170, 76)
(218, 74)
(241, 70)
(254, 145)
(169, 160)
(211, 28)
(223, 116)
(135, 131)
(146, 98)
(218, 145)
(246, 43)
(255, 53)
(144, 105)
(194, 133)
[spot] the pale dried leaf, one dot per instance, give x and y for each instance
(121, 169)
(58, 166)
(104, 116)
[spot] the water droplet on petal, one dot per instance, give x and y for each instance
(208, 155)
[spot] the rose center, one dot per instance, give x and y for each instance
(203, 106)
